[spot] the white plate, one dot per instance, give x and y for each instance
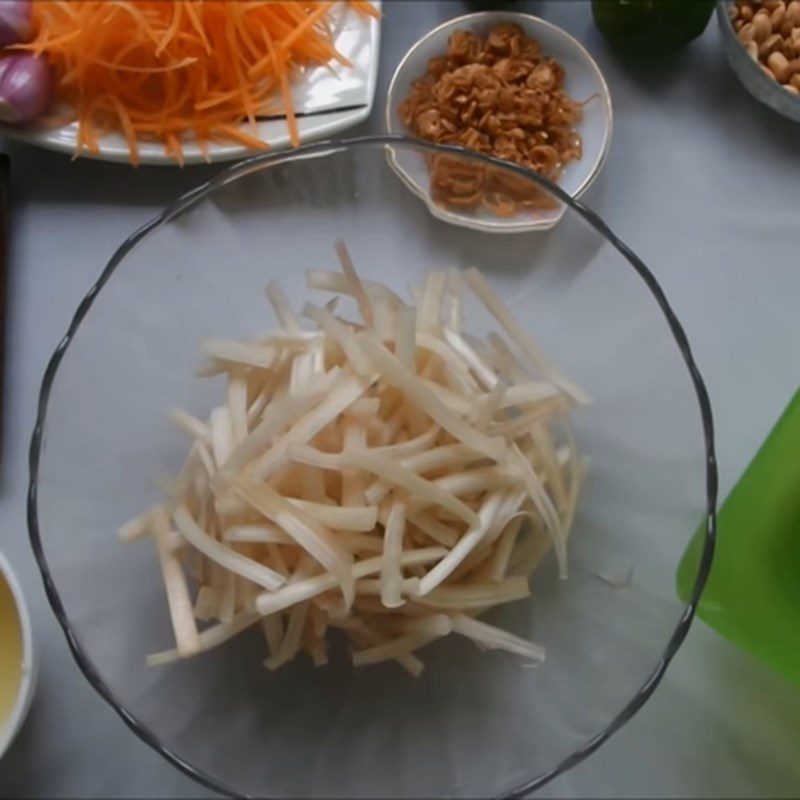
(583, 79)
(330, 98)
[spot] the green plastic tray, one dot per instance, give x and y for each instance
(753, 593)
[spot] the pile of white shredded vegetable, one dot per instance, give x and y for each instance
(392, 478)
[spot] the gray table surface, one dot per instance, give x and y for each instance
(701, 181)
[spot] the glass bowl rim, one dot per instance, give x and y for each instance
(264, 161)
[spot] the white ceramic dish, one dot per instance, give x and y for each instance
(10, 726)
(583, 80)
(329, 100)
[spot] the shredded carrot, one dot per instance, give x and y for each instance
(184, 70)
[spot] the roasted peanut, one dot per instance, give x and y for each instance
(752, 50)
(746, 33)
(795, 80)
(792, 89)
(776, 17)
(792, 14)
(778, 66)
(762, 27)
(767, 72)
(770, 45)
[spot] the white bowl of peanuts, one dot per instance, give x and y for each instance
(509, 85)
(762, 42)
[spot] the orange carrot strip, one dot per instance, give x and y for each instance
(191, 12)
(187, 62)
(128, 130)
(237, 134)
(280, 70)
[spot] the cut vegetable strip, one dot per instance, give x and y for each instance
(430, 303)
(237, 407)
(448, 455)
(291, 639)
(500, 311)
(464, 546)
(206, 607)
(489, 405)
(341, 334)
(298, 592)
(231, 560)
(390, 472)
(391, 575)
(544, 505)
(396, 374)
(280, 305)
(282, 411)
(489, 636)
(454, 302)
(187, 422)
(180, 604)
(354, 284)
(476, 595)
(221, 435)
(435, 529)
(263, 533)
(247, 355)
(310, 535)
(353, 480)
(482, 371)
(407, 661)
(138, 527)
(410, 447)
(327, 281)
(434, 628)
(363, 518)
(273, 632)
(502, 553)
(530, 392)
(309, 426)
(209, 639)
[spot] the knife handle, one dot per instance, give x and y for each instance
(5, 170)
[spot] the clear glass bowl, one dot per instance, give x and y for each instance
(476, 723)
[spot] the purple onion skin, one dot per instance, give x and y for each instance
(26, 87)
(15, 21)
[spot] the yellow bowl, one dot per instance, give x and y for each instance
(17, 665)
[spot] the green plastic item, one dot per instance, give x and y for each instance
(753, 593)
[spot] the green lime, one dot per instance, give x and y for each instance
(651, 26)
